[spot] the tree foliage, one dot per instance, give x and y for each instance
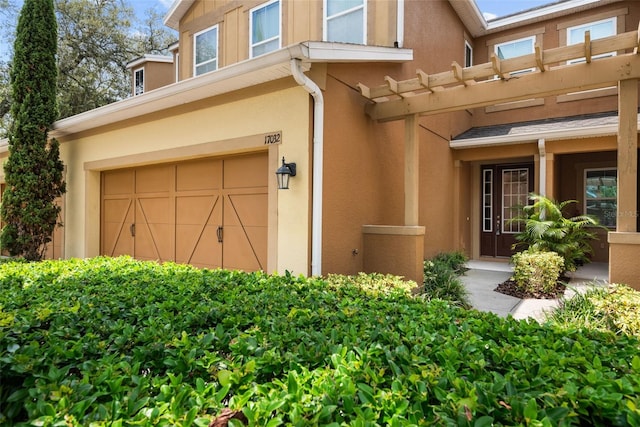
(96, 39)
(33, 172)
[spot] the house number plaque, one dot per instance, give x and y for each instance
(273, 138)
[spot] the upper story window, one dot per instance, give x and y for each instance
(265, 28)
(601, 195)
(468, 54)
(206, 51)
(138, 81)
(597, 30)
(345, 21)
(512, 49)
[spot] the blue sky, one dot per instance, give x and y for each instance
(497, 8)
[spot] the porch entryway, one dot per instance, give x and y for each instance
(505, 190)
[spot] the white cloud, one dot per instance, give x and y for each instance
(489, 16)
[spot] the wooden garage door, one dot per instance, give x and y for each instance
(209, 213)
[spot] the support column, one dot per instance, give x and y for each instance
(624, 243)
(411, 169)
(627, 155)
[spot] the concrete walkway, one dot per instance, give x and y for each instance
(484, 276)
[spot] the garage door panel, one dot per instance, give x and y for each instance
(117, 240)
(151, 242)
(198, 210)
(117, 217)
(154, 179)
(246, 209)
(117, 182)
(199, 175)
(246, 171)
(198, 246)
(154, 210)
(240, 254)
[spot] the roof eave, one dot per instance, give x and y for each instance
(245, 74)
(176, 12)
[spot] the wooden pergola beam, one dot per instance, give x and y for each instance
(570, 78)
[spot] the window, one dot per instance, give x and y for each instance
(265, 28)
(598, 30)
(468, 54)
(487, 200)
(344, 21)
(206, 51)
(601, 195)
(515, 193)
(138, 81)
(512, 49)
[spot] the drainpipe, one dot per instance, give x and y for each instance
(400, 24)
(318, 141)
(543, 166)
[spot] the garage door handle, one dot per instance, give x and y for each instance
(219, 234)
(132, 230)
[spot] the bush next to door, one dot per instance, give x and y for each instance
(121, 342)
(547, 229)
(536, 272)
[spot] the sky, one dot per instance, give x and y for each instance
(497, 8)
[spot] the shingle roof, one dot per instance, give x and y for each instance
(544, 125)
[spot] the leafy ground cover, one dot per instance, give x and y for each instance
(120, 342)
(613, 307)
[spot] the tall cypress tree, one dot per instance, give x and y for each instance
(33, 172)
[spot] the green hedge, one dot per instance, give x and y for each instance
(120, 342)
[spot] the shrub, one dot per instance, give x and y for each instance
(121, 342)
(536, 272)
(547, 229)
(442, 281)
(613, 308)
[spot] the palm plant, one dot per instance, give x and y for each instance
(547, 229)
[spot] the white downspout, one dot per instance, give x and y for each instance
(542, 151)
(400, 24)
(318, 141)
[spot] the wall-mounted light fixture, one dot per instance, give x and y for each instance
(283, 173)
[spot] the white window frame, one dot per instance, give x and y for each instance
(584, 191)
(613, 19)
(177, 65)
(137, 92)
(253, 44)
(195, 47)
(533, 44)
(326, 19)
(469, 48)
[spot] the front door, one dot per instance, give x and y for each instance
(505, 190)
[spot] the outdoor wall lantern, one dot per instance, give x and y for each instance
(283, 173)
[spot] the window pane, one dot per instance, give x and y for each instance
(265, 47)
(206, 51)
(347, 28)
(601, 195)
(337, 6)
(266, 23)
(598, 30)
(513, 49)
(205, 68)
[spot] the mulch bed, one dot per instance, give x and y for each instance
(510, 288)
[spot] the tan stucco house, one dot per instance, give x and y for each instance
(416, 127)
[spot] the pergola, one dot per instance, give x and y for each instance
(499, 81)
